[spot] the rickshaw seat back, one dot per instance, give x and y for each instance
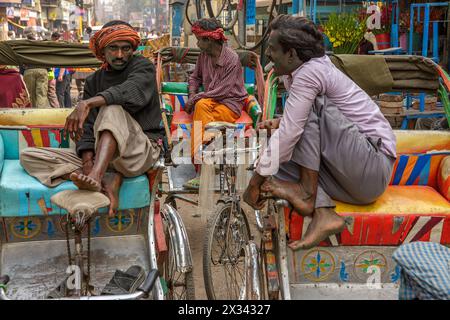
(175, 98)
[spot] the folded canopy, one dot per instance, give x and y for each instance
(46, 54)
(374, 74)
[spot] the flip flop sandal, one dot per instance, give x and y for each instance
(193, 184)
(125, 282)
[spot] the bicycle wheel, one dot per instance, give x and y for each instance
(177, 285)
(223, 253)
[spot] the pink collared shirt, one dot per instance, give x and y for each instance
(319, 76)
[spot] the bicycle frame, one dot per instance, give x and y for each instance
(274, 250)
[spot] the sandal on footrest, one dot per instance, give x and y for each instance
(125, 282)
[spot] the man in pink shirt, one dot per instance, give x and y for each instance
(332, 142)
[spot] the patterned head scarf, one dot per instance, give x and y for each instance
(212, 34)
(105, 36)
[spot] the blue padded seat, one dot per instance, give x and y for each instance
(20, 193)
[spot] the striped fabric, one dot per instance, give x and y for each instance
(417, 169)
(425, 271)
(224, 82)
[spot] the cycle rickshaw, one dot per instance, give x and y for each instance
(341, 266)
(357, 263)
(145, 242)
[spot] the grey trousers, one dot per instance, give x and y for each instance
(351, 167)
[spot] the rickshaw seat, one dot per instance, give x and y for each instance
(21, 194)
(418, 193)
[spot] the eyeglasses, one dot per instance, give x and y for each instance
(116, 48)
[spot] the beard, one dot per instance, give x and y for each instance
(118, 67)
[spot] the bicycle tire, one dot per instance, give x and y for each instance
(169, 274)
(214, 231)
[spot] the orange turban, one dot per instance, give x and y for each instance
(105, 36)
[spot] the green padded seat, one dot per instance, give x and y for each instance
(20, 193)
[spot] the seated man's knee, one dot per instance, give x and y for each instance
(28, 154)
(201, 105)
(111, 108)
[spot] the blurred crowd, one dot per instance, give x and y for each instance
(36, 87)
(39, 87)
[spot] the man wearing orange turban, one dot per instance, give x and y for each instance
(116, 125)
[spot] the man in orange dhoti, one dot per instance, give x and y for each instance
(219, 70)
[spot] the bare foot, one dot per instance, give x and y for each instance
(293, 192)
(84, 182)
(111, 185)
(325, 222)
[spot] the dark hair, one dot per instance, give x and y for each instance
(115, 22)
(55, 35)
(209, 24)
(300, 34)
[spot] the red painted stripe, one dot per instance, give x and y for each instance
(45, 138)
(46, 127)
(411, 221)
(348, 239)
(445, 238)
(160, 238)
(387, 237)
(28, 138)
(295, 225)
(427, 229)
(373, 230)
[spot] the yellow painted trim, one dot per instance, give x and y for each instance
(398, 200)
(33, 117)
(416, 141)
(37, 138)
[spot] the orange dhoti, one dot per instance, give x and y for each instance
(206, 111)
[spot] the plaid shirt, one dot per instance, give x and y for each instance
(223, 82)
(425, 271)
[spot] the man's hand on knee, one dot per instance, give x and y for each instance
(75, 121)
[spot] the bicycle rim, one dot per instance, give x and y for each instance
(224, 253)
